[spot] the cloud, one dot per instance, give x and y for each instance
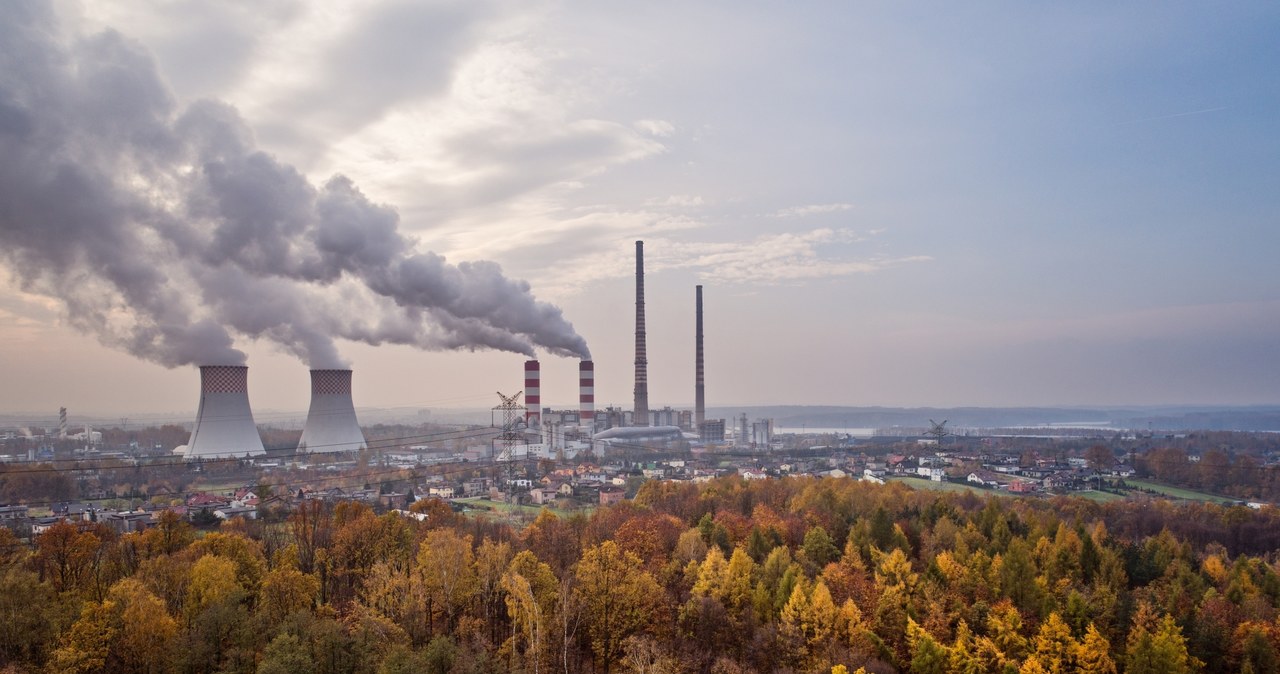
(812, 209)
(656, 127)
(678, 201)
(773, 259)
(165, 232)
(785, 258)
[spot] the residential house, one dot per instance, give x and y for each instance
(1022, 486)
(230, 512)
(934, 473)
(989, 479)
(543, 495)
(13, 512)
(610, 495)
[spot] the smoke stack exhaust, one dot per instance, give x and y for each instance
(641, 415)
(532, 394)
(699, 387)
(586, 393)
(331, 421)
(224, 425)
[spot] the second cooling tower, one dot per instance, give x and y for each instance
(224, 425)
(331, 421)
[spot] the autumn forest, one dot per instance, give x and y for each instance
(784, 575)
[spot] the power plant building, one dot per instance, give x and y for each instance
(711, 431)
(331, 421)
(224, 423)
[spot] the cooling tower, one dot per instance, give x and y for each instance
(331, 421)
(224, 424)
(641, 415)
(586, 393)
(699, 388)
(532, 394)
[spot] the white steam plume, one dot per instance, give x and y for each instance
(166, 232)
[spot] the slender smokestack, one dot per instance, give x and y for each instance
(586, 393)
(532, 395)
(224, 424)
(699, 387)
(331, 421)
(641, 414)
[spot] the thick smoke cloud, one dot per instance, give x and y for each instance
(166, 232)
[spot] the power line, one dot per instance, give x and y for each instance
(166, 461)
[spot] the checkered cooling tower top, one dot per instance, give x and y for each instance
(224, 379)
(330, 382)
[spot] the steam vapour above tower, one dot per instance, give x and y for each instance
(151, 224)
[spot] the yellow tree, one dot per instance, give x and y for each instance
(145, 631)
(1163, 650)
(964, 659)
(213, 581)
(65, 555)
(398, 593)
(853, 629)
(712, 574)
(792, 614)
(896, 582)
(737, 585)
(1093, 654)
(927, 655)
(86, 647)
(1054, 646)
(285, 590)
(492, 559)
(618, 598)
(531, 592)
(819, 621)
(448, 576)
(246, 553)
(1004, 627)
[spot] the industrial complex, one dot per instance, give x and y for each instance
(224, 425)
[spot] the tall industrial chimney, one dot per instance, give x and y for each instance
(224, 424)
(532, 394)
(586, 393)
(699, 387)
(331, 421)
(641, 414)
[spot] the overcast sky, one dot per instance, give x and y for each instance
(887, 203)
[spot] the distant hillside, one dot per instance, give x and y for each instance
(1141, 418)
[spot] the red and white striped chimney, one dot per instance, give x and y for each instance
(586, 393)
(532, 395)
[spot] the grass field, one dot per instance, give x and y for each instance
(516, 512)
(1176, 492)
(1099, 496)
(921, 483)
